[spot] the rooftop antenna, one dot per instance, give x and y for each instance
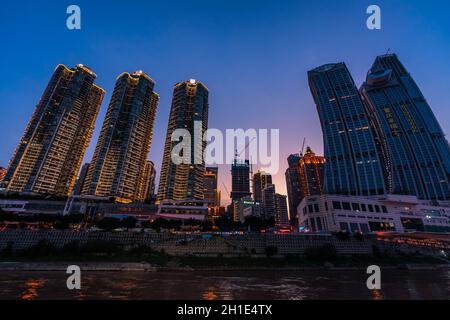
(388, 50)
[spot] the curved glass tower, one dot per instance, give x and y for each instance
(416, 152)
(353, 165)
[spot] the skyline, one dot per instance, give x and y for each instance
(243, 55)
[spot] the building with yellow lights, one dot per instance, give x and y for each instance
(49, 155)
(189, 108)
(118, 165)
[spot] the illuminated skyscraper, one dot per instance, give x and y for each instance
(353, 164)
(147, 187)
(189, 111)
(118, 165)
(50, 152)
(414, 147)
(260, 180)
(311, 173)
(2, 173)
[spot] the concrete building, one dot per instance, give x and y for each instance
(2, 173)
(118, 165)
(240, 179)
(244, 208)
(268, 202)
(326, 213)
(210, 190)
(49, 155)
(189, 111)
(292, 175)
(281, 211)
(261, 180)
(147, 189)
(311, 173)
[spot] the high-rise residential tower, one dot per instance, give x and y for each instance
(117, 167)
(260, 180)
(353, 164)
(2, 173)
(52, 147)
(147, 188)
(189, 111)
(416, 153)
(293, 187)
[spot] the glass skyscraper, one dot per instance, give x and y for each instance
(49, 155)
(118, 165)
(353, 165)
(189, 108)
(414, 147)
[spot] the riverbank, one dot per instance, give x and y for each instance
(61, 266)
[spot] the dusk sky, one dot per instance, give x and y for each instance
(252, 55)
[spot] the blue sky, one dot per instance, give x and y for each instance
(252, 55)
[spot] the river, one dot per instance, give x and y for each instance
(256, 285)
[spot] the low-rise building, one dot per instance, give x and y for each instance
(328, 213)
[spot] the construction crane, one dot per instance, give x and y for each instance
(303, 147)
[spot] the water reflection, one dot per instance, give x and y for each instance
(31, 291)
(377, 294)
(210, 294)
(252, 285)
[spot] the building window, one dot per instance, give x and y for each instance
(346, 205)
(354, 227)
(343, 226)
(364, 227)
(319, 224)
(316, 207)
(377, 208)
(384, 209)
(337, 205)
(370, 208)
(363, 207)
(355, 206)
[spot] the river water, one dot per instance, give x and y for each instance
(311, 284)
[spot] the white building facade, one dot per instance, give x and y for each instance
(330, 213)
